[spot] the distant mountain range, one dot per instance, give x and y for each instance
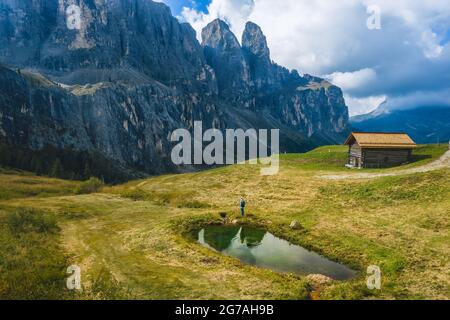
(423, 124)
(132, 73)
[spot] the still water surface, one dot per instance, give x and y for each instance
(262, 249)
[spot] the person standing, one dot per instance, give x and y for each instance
(242, 206)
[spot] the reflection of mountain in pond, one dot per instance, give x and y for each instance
(233, 241)
(260, 248)
(220, 238)
(252, 237)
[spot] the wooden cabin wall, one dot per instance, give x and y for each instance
(375, 158)
(355, 150)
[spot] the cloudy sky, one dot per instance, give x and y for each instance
(401, 56)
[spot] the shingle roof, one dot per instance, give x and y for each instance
(381, 140)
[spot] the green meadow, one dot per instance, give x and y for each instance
(134, 241)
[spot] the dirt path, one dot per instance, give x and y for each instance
(442, 162)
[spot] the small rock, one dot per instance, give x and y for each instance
(318, 279)
(235, 221)
(295, 225)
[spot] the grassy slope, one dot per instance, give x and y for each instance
(128, 240)
(334, 158)
(24, 185)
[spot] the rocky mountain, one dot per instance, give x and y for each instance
(423, 124)
(121, 80)
(309, 104)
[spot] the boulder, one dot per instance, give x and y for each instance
(318, 279)
(295, 225)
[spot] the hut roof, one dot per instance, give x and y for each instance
(381, 140)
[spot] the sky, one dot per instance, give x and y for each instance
(394, 53)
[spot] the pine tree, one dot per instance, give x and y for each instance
(57, 169)
(87, 171)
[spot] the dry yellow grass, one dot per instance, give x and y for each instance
(135, 231)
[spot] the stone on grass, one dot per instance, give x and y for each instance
(295, 225)
(318, 279)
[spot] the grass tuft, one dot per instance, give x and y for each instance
(93, 185)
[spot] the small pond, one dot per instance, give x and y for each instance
(262, 249)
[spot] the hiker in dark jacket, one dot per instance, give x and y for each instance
(242, 206)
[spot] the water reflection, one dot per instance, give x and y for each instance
(258, 247)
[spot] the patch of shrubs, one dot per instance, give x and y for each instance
(92, 185)
(29, 220)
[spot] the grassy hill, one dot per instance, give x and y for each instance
(132, 240)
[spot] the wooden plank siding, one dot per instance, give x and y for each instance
(379, 158)
(378, 149)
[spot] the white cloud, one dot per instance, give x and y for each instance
(431, 47)
(234, 12)
(363, 105)
(353, 80)
(331, 37)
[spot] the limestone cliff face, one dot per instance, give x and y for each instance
(223, 53)
(116, 40)
(131, 74)
(254, 45)
(129, 123)
(309, 104)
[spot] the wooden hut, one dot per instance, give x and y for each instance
(378, 150)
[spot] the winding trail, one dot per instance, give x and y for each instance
(442, 162)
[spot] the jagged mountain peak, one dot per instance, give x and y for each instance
(219, 23)
(254, 40)
(224, 54)
(217, 34)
